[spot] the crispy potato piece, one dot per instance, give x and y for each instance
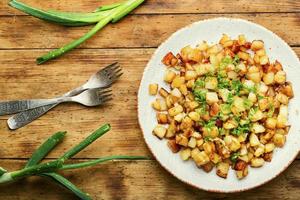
(159, 131)
(162, 118)
(173, 146)
(257, 45)
(185, 154)
(170, 60)
(207, 167)
(222, 169)
(153, 89)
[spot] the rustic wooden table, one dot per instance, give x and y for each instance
(131, 42)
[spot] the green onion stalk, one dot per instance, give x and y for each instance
(101, 17)
(50, 169)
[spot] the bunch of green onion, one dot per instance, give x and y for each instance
(50, 169)
(101, 17)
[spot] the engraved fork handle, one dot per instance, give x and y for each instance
(11, 107)
(23, 118)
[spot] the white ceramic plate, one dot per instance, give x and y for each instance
(211, 31)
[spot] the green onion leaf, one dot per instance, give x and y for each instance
(67, 184)
(86, 142)
(2, 171)
(234, 156)
(45, 148)
(125, 9)
(107, 7)
(100, 160)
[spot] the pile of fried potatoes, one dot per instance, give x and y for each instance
(226, 105)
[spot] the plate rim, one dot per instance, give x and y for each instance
(140, 89)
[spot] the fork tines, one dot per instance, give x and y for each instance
(104, 95)
(113, 71)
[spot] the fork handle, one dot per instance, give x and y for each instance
(11, 107)
(23, 118)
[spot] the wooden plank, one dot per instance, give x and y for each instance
(130, 180)
(167, 6)
(21, 79)
(135, 31)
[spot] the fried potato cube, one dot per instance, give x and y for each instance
(189, 75)
(169, 76)
(268, 157)
(232, 142)
(282, 98)
(287, 90)
(200, 158)
(170, 59)
(194, 116)
(182, 140)
(163, 92)
(230, 124)
(208, 167)
(183, 89)
(209, 147)
(269, 147)
(159, 105)
(280, 77)
(258, 128)
(259, 151)
(263, 105)
(175, 110)
(269, 78)
(200, 142)
(257, 162)
(173, 146)
(242, 173)
(185, 154)
(211, 98)
(257, 45)
(254, 74)
(258, 115)
(192, 142)
(243, 55)
(192, 105)
(153, 89)
(171, 130)
(254, 141)
(179, 117)
(191, 54)
(222, 169)
(279, 140)
(224, 39)
(176, 93)
(242, 39)
(210, 132)
(264, 60)
(211, 83)
(162, 118)
(271, 123)
(252, 97)
(177, 82)
(282, 117)
(228, 43)
(159, 131)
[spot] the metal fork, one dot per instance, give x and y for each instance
(103, 78)
(90, 97)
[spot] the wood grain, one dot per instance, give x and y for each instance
(134, 31)
(140, 180)
(21, 78)
(167, 6)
